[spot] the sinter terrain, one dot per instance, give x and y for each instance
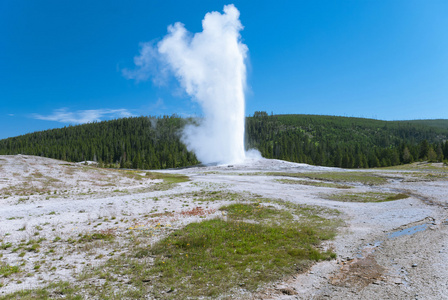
(264, 229)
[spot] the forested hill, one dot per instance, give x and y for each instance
(153, 142)
(345, 142)
(142, 142)
(440, 123)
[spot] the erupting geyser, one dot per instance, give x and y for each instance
(210, 66)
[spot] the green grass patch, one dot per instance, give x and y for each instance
(136, 175)
(32, 246)
(256, 211)
(436, 176)
(366, 197)
(207, 258)
(257, 242)
(5, 246)
(420, 166)
(167, 177)
(349, 177)
(6, 270)
(315, 183)
(104, 235)
(54, 290)
(205, 196)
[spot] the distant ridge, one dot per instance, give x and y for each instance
(439, 123)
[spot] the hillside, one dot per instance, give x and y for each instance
(154, 142)
(345, 142)
(143, 142)
(438, 123)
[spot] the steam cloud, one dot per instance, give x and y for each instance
(210, 66)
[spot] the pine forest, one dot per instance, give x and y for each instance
(155, 142)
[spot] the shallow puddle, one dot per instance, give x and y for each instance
(408, 231)
(368, 249)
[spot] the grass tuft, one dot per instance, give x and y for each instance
(256, 211)
(167, 177)
(6, 270)
(52, 291)
(350, 177)
(5, 246)
(105, 235)
(366, 197)
(315, 183)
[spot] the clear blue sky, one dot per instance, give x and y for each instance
(61, 62)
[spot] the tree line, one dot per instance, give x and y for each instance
(138, 142)
(150, 142)
(345, 142)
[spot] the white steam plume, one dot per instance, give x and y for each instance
(210, 66)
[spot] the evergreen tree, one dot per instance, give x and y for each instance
(153, 142)
(424, 149)
(439, 153)
(432, 156)
(407, 157)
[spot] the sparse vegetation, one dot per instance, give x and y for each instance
(348, 177)
(366, 197)
(6, 270)
(57, 288)
(315, 183)
(105, 235)
(206, 196)
(255, 245)
(257, 212)
(5, 246)
(167, 177)
(421, 166)
(127, 253)
(257, 242)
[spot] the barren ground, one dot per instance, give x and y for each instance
(386, 250)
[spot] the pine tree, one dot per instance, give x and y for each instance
(432, 156)
(424, 149)
(407, 157)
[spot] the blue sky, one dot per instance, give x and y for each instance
(61, 62)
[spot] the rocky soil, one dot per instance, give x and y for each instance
(386, 250)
